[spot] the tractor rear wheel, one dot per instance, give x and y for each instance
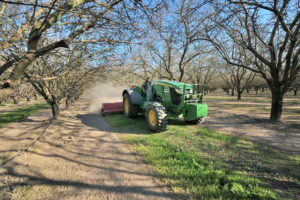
(196, 121)
(156, 117)
(129, 109)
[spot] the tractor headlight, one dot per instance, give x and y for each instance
(179, 91)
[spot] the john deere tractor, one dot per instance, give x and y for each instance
(160, 100)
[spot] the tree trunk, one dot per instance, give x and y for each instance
(226, 90)
(239, 97)
(67, 103)
(248, 90)
(28, 99)
(277, 104)
(295, 91)
(15, 99)
(232, 92)
(69, 100)
(55, 110)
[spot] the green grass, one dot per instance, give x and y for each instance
(4, 156)
(20, 113)
(5, 103)
(26, 190)
(202, 164)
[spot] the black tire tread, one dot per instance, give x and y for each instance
(133, 109)
(162, 119)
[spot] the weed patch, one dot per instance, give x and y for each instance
(20, 113)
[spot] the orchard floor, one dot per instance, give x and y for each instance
(81, 157)
(249, 119)
(78, 157)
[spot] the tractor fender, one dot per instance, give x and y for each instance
(135, 97)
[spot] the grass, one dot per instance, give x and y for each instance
(4, 156)
(5, 103)
(26, 190)
(20, 113)
(202, 164)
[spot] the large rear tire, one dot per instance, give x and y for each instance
(129, 109)
(156, 117)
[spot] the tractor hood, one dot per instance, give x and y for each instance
(172, 84)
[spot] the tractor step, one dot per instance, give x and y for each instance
(109, 108)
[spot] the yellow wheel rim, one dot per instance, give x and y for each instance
(126, 105)
(152, 118)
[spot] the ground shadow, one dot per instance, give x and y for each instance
(100, 123)
(38, 179)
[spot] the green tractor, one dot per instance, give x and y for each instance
(160, 100)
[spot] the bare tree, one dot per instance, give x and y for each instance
(38, 24)
(173, 39)
(296, 86)
(202, 71)
(259, 83)
(164, 58)
(62, 76)
(238, 79)
(269, 31)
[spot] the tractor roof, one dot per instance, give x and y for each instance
(173, 84)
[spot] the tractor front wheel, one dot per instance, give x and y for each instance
(156, 117)
(196, 121)
(129, 109)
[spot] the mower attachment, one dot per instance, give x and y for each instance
(108, 108)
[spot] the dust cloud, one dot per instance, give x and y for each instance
(103, 93)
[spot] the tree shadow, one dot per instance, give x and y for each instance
(87, 157)
(100, 123)
(37, 179)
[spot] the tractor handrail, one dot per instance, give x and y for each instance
(199, 95)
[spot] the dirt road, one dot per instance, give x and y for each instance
(79, 157)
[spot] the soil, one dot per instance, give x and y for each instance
(78, 157)
(284, 135)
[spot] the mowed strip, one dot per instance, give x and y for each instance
(203, 164)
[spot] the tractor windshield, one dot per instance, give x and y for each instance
(175, 96)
